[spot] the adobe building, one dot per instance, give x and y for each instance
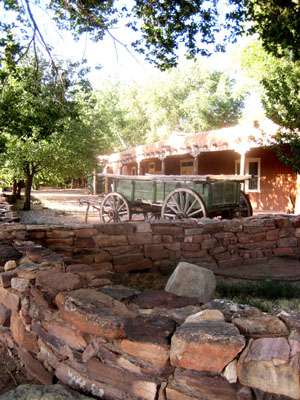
(239, 150)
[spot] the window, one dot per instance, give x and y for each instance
(186, 167)
(151, 168)
(252, 167)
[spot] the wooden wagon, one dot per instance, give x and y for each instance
(173, 197)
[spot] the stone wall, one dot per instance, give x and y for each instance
(141, 246)
(117, 343)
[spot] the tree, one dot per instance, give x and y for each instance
(41, 123)
(280, 83)
(188, 98)
(164, 26)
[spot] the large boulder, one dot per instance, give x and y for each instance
(205, 346)
(190, 280)
(271, 365)
(41, 392)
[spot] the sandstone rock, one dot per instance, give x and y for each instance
(34, 368)
(130, 385)
(120, 292)
(261, 326)
(8, 252)
(65, 333)
(78, 380)
(178, 315)
(6, 277)
(157, 354)
(24, 339)
(205, 315)
(192, 281)
(159, 298)
(4, 315)
(94, 312)
(9, 299)
(55, 282)
(191, 385)
(291, 319)
(20, 284)
(43, 392)
(205, 346)
(266, 365)
(230, 372)
(9, 265)
(232, 310)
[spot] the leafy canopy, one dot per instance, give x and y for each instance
(162, 27)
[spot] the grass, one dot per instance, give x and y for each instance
(267, 295)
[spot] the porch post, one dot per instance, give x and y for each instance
(138, 172)
(196, 165)
(95, 181)
(163, 166)
(242, 167)
(297, 200)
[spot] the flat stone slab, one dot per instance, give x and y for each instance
(279, 268)
(205, 346)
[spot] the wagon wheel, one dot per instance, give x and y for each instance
(245, 208)
(183, 203)
(114, 208)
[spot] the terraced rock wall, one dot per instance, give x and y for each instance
(140, 246)
(117, 343)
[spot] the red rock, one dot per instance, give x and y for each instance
(110, 240)
(64, 332)
(79, 381)
(6, 277)
(267, 364)
(205, 346)
(4, 315)
(138, 238)
(131, 385)
(94, 312)
(34, 368)
(20, 284)
(55, 282)
(9, 299)
(60, 234)
(141, 265)
(159, 298)
(157, 354)
(191, 385)
(261, 326)
(102, 256)
(86, 232)
(24, 339)
(84, 243)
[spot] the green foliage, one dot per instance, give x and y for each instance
(280, 86)
(187, 99)
(164, 27)
(45, 123)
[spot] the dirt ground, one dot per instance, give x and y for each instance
(12, 373)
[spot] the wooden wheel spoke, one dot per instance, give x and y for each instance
(195, 213)
(181, 201)
(176, 203)
(191, 207)
(173, 209)
(187, 201)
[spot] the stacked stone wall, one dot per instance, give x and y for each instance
(148, 246)
(117, 343)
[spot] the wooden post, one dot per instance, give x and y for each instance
(242, 167)
(95, 188)
(196, 165)
(163, 166)
(297, 200)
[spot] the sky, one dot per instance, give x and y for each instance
(117, 62)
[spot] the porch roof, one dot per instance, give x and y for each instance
(239, 138)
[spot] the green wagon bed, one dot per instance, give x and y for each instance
(173, 196)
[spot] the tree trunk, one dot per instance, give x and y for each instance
(20, 185)
(14, 187)
(28, 186)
